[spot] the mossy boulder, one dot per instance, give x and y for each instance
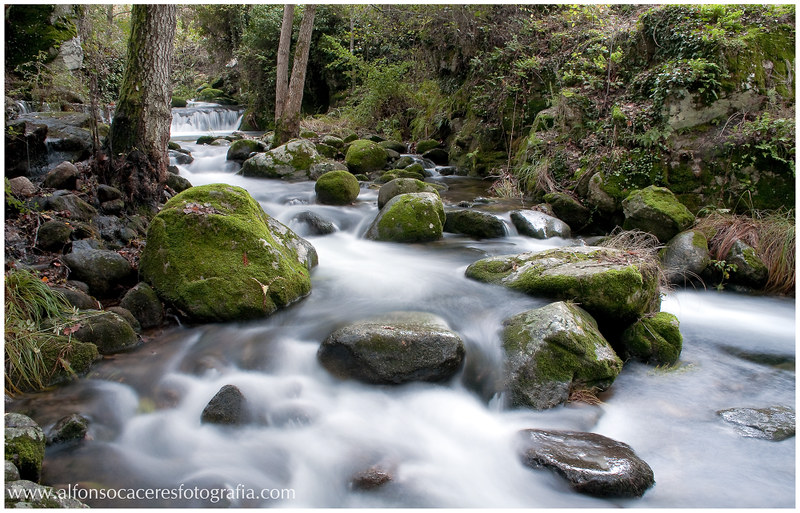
(551, 350)
(750, 269)
(414, 171)
(241, 149)
(337, 188)
(292, 160)
(414, 217)
(110, 332)
(539, 225)
(332, 140)
(326, 150)
(325, 166)
(216, 255)
(365, 156)
(394, 145)
(68, 358)
(685, 257)
(656, 210)
(616, 287)
(426, 145)
(78, 209)
(24, 442)
(474, 223)
(177, 183)
(178, 102)
(654, 339)
(403, 162)
(394, 348)
(399, 186)
(569, 210)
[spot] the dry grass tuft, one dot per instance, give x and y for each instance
(645, 246)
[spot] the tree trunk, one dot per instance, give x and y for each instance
(288, 126)
(139, 134)
(282, 82)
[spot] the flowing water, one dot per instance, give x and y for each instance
(446, 445)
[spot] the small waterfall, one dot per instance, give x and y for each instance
(205, 119)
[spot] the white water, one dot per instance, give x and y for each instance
(449, 445)
(200, 118)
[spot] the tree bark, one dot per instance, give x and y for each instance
(282, 82)
(139, 134)
(288, 125)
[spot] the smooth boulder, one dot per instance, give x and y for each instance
(685, 257)
(103, 270)
(551, 350)
(337, 188)
(216, 255)
(417, 217)
(242, 149)
(474, 223)
(142, 301)
(364, 156)
(292, 160)
(656, 210)
(539, 225)
(399, 186)
(750, 269)
(774, 423)
(394, 348)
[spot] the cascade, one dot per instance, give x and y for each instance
(200, 118)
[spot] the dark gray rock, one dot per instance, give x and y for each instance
(394, 145)
(569, 210)
(394, 348)
(78, 209)
(750, 270)
(102, 270)
(180, 157)
(86, 245)
(53, 235)
(227, 407)
(107, 193)
(474, 223)
(775, 423)
(68, 136)
(112, 207)
(69, 429)
(371, 478)
(63, 176)
(128, 316)
(24, 445)
(142, 301)
(78, 298)
(316, 224)
(685, 257)
(403, 162)
(539, 225)
(592, 463)
(25, 149)
(107, 330)
(178, 183)
(242, 149)
(438, 156)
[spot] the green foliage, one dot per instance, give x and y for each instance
(765, 139)
(696, 75)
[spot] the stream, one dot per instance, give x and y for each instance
(448, 445)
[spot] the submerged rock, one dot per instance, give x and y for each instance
(24, 443)
(656, 339)
(70, 428)
(539, 225)
(614, 286)
(592, 463)
(394, 348)
(685, 257)
(551, 350)
(417, 217)
(317, 225)
(656, 210)
(215, 254)
(371, 478)
(228, 407)
(775, 423)
(474, 223)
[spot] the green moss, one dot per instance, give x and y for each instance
(24, 445)
(656, 339)
(210, 94)
(178, 102)
(427, 144)
(409, 218)
(365, 156)
(337, 188)
(68, 359)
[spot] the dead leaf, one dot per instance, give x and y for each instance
(244, 259)
(72, 329)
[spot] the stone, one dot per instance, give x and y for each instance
(180, 157)
(103, 270)
(78, 209)
(12, 473)
(228, 407)
(216, 255)
(427, 144)
(656, 210)
(324, 166)
(337, 188)
(68, 135)
(114, 207)
(142, 301)
(22, 187)
(774, 423)
(63, 176)
(592, 464)
(438, 156)
(25, 149)
(53, 235)
(365, 156)
(474, 223)
(24, 442)
(569, 210)
(326, 150)
(110, 332)
(403, 162)
(371, 478)
(128, 316)
(394, 145)
(332, 140)
(394, 348)
(78, 298)
(69, 358)
(108, 193)
(417, 217)
(685, 257)
(69, 429)
(598, 198)
(402, 186)
(242, 149)
(750, 270)
(539, 225)
(316, 224)
(292, 160)
(177, 183)
(654, 339)
(550, 351)
(616, 287)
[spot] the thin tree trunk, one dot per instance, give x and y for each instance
(282, 82)
(288, 125)
(139, 134)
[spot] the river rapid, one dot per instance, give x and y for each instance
(447, 445)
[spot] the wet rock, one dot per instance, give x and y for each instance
(53, 235)
(403, 162)
(178, 183)
(78, 298)
(68, 358)
(69, 429)
(107, 330)
(402, 186)
(474, 223)
(24, 443)
(774, 423)
(414, 171)
(539, 225)
(655, 339)
(438, 156)
(552, 349)
(365, 156)
(326, 150)
(337, 188)
(102, 270)
(238, 263)
(371, 478)
(242, 149)
(750, 270)
(22, 187)
(317, 225)
(568, 209)
(394, 348)
(12, 474)
(37, 497)
(417, 217)
(592, 463)
(142, 301)
(180, 157)
(68, 136)
(227, 407)
(63, 176)
(656, 210)
(292, 160)
(614, 286)
(427, 144)
(78, 209)
(685, 257)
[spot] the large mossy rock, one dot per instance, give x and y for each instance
(474, 223)
(656, 210)
(241, 149)
(394, 348)
(616, 287)
(365, 156)
(426, 145)
(292, 160)
(539, 225)
(553, 349)
(654, 339)
(24, 443)
(416, 217)
(592, 464)
(685, 257)
(216, 255)
(399, 186)
(337, 188)
(110, 332)
(103, 270)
